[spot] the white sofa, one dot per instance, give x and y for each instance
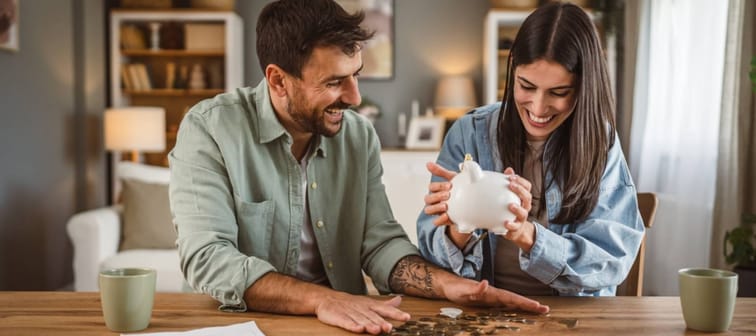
(96, 234)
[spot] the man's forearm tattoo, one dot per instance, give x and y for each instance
(413, 275)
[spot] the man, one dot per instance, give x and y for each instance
(276, 190)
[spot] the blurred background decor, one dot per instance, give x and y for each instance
(378, 55)
(369, 109)
(455, 96)
(9, 25)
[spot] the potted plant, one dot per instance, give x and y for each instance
(739, 250)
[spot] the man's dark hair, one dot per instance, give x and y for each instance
(288, 31)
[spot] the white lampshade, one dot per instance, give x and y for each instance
(455, 95)
(135, 129)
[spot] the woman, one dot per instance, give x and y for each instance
(577, 229)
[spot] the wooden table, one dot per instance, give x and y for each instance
(79, 313)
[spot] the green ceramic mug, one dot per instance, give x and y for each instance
(707, 297)
(127, 295)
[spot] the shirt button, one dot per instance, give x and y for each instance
(319, 224)
(314, 185)
(330, 264)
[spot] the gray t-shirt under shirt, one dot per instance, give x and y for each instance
(310, 264)
(507, 272)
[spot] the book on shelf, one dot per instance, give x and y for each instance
(136, 77)
(132, 37)
(170, 75)
(128, 84)
(144, 77)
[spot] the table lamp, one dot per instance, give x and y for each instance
(135, 129)
(455, 95)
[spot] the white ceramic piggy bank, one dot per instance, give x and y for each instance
(480, 199)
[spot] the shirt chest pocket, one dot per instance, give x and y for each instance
(255, 222)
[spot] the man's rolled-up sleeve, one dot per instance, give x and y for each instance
(385, 242)
(203, 211)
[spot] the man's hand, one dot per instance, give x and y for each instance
(414, 275)
(469, 292)
(278, 293)
(360, 314)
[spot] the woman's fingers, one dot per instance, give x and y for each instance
(521, 187)
(439, 186)
(436, 197)
(443, 219)
(435, 209)
(439, 171)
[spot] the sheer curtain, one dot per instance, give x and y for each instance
(674, 140)
(736, 132)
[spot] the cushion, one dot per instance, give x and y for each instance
(147, 220)
(143, 172)
(138, 171)
(165, 262)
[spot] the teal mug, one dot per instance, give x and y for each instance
(708, 298)
(127, 296)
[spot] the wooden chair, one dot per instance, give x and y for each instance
(633, 284)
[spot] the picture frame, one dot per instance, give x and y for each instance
(378, 53)
(425, 133)
(9, 25)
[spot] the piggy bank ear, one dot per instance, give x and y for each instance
(472, 170)
(468, 158)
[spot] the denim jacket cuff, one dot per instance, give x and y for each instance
(546, 259)
(463, 265)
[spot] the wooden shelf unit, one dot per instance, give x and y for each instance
(225, 66)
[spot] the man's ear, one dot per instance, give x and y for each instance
(276, 78)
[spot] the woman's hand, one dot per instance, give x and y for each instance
(435, 203)
(520, 231)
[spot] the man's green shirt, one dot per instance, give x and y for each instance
(238, 204)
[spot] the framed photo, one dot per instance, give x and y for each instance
(425, 133)
(9, 25)
(378, 55)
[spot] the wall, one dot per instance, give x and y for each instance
(50, 97)
(432, 38)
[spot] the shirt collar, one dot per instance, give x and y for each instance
(269, 128)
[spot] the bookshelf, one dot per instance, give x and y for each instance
(173, 58)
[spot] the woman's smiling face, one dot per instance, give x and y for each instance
(544, 94)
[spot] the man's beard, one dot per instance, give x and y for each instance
(314, 122)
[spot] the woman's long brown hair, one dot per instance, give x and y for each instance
(576, 152)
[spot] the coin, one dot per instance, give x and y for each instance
(569, 323)
(451, 312)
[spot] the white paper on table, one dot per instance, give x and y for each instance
(241, 329)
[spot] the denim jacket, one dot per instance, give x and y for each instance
(590, 257)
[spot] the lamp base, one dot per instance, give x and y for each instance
(451, 113)
(134, 156)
